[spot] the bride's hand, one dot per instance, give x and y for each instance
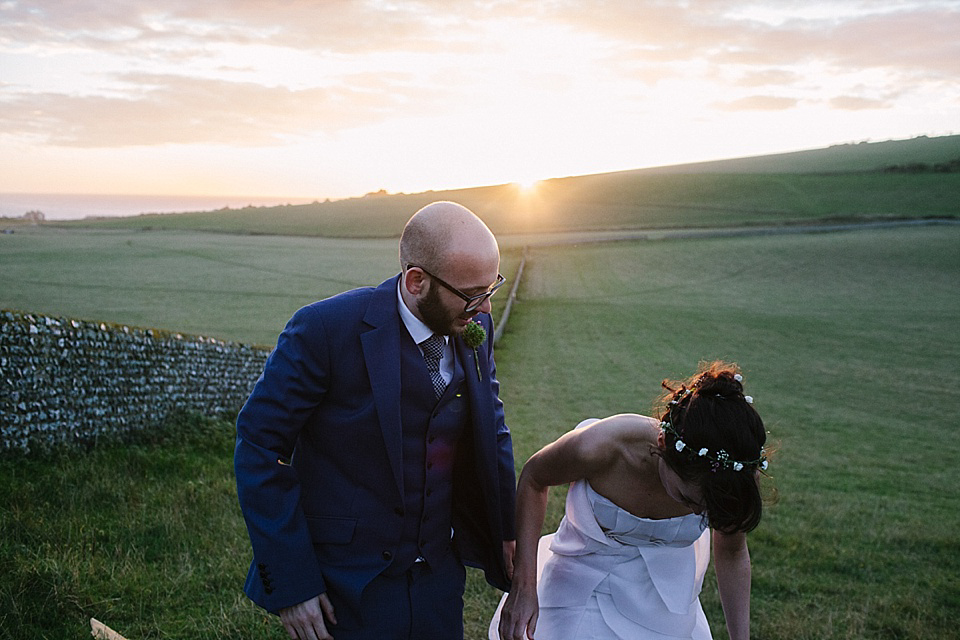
(518, 619)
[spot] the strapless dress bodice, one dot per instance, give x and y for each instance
(626, 528)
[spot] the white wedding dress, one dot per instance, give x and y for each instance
(607, 574)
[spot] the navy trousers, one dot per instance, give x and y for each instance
(422, 603)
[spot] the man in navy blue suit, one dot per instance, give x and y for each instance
(372, 458)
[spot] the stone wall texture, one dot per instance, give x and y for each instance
(66, 382)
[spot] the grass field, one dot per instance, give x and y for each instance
(849, 344)
(626, 200)
(848, 341)
(240, 288)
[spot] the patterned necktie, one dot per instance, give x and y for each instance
(432, 353)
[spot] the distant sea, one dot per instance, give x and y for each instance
(65, 206)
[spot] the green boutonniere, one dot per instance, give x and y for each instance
(473, 336)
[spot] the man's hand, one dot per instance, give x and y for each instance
(509, 550)
(304, 621)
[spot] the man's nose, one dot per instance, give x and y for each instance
(485, 307)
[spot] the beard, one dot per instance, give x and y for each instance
(435, 315)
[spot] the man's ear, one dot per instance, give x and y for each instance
(413, 280)
(661, 440)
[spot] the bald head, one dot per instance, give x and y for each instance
(443, 234)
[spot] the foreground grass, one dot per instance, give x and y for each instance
(145, 537)
(849, 346)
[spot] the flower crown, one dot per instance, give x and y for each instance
(719, 459)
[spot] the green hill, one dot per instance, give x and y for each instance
(857, 157)
(845, 182)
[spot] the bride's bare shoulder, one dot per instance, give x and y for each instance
(618, 433)
(629, 441)
(631, 425)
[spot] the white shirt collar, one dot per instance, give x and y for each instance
(418, 331)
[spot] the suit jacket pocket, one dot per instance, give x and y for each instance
(331, 530)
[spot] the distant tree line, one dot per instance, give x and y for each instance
(33, 216)
(951, 166)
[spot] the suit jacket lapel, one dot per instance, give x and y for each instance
(381, 352)
(481, 407)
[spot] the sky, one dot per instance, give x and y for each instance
(338, 98)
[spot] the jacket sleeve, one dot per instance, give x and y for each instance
(505, 461)
(284, 570)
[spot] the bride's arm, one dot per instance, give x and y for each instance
(575, 455)
(731, 559)
(518, 619)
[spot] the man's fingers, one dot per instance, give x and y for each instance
(327, 608)
(304, 621)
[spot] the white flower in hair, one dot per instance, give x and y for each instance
(738, 377)
(763, 465)
(702, 452)
(737, 466)
(680, 446)
(749, 399)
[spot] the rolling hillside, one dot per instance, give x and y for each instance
(860, 156)
(845, 182)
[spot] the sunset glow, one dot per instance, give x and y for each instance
(328, 100)
(527, 186)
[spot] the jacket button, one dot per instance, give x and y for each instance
(387, 556)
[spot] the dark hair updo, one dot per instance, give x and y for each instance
(714, 438)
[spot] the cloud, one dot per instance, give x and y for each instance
(922, 40)
(768, 77)
(339, 26)
(920, 36)
(175, 79)
(918, 41)
(758, 103)
(166, 109)
(857, 103)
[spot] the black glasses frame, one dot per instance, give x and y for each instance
(472, 302)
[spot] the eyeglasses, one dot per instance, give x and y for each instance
(473, 302)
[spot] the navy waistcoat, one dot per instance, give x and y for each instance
(431, 429)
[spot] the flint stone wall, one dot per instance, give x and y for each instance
(64, 382)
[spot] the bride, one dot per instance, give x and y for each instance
(629, 556)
